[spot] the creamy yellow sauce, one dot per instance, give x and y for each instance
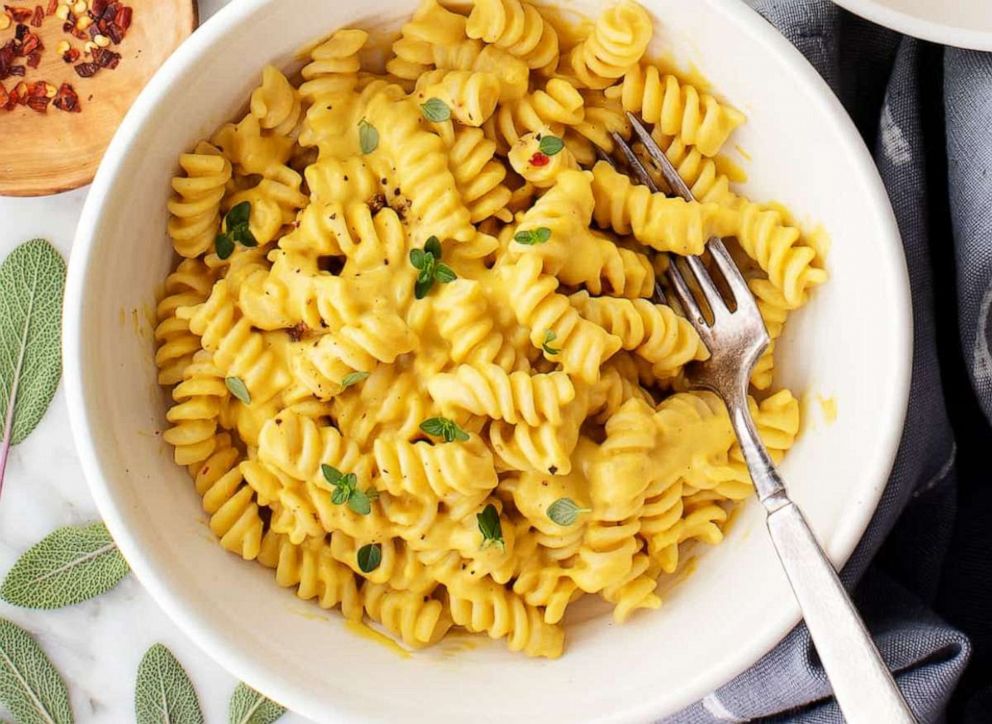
(360, 629)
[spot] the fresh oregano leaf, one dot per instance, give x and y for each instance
(369, 557)
(68, 566)
(549, 337)
(531, 237)
(249, 707)
(433, 247)
(237, 230)
(444, 428)
(359, 502)
(238, 388)
(444, 274)
(331, 474)
(418, 258)
(368, 137)
(164, 694)
(436, 110)
(32, 283)
(30, 687)
(551, 145)
(565, 511)
(353, 379)
(490, 527)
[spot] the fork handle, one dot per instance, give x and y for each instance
(862, 684)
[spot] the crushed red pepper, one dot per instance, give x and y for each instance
(104, 23)
(540, 159)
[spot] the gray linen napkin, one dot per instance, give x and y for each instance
(926, 112)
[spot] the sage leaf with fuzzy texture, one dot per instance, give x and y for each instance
(32, 283)
(249, 707)
(30, 687)
(164, 694)
(68, 566)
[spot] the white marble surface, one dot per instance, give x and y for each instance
(96, 645)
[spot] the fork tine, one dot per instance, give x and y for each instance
(604, 156)
(707, 287)
(668, 171)
(689, 305)
(732, 275)
(634, 162)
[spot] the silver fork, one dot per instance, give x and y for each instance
(736, 338)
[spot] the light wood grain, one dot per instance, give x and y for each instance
(47, 153)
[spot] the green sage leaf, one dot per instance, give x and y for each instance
(436, 110)
(164, 694)
(238, 388)
(30, 687)
(68, 566)
(249, 707)
(369, 557)
(565, 511)
(32, 284)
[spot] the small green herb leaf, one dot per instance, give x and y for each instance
(237, 230)
(331, 474)
(531, 237)
(551, 145)
(249, 707)
(68, 566)
(444, 428)
(490, 527)
(164, 694)
(565, 511)
(428, 262)
(369, 557)
(368, 137)
(353, 379)
(340, 495)
(436, 110)
(224, 246)
(419, 258)
(30, 687)
(444, 274)
(238, 388)
(549, 337)
(359, 502)
(433, 247)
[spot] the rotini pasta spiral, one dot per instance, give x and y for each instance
(195, 209)
(618, 40)
(276, 103)
(677, 108)
(518, 28)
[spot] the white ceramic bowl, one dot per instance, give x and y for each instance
(961, 23)
(851, 344)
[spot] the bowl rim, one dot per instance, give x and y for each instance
(919, 27)
(222, 647)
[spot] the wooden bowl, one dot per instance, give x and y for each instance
(45, 153)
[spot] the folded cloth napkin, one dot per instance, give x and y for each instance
(926, 112)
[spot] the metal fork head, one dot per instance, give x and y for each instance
(733, 331)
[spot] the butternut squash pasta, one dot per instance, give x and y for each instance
(415, 364)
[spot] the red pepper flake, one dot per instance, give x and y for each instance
(19, 14)
(53, 5)
(34, 60)
(115, 33)
(97, 7)
(123, 18)
(67, 100)
(87, 70)
(71, 55)
(106, 58)
(39, 16)
(4, 96)
(31, 43)
(540, 159)
(39, 103)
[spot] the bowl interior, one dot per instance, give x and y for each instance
(736, 604)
